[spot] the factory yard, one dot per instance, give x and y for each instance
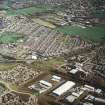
(43, 83)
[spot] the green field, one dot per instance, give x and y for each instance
(47, 65)
(24, 11)
(9, 37)
(96, 33)
(100, 14)
(34, 9)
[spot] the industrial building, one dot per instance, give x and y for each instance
(64, 88)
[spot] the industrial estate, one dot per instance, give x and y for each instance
(52, 52)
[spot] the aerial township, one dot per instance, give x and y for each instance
(40, 64)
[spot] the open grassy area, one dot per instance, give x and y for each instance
(7, 66)
(3, 7)
(24, 11)
(100, 14)
(96, 33)
(44, 23)
(34, 9)
(47, 65)
(29, 10)
(9, 37)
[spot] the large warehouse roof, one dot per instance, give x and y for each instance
(64, 88)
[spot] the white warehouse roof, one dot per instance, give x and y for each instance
(74, 71)
(46, 83)
(64, 88)
(71, 98)
(56, 77)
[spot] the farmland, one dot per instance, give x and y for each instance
(93, 33)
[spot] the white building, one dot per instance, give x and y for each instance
(56, 78)
(45, 83)
(64, 88)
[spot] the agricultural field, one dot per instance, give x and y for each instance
(100, 14)
(33, 9)
(96, 33)
(25, 11)
(9, 37)
(44, 23)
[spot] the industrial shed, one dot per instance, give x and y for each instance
(64, 88)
